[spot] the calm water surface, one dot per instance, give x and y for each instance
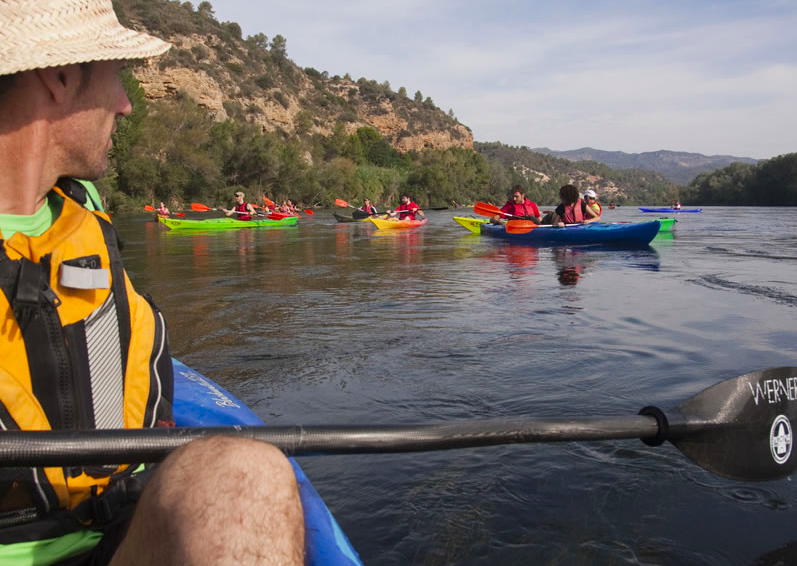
(332, 323)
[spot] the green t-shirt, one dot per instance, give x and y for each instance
(37, 223)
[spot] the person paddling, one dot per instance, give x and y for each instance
(80, 349)
(518, 206)
(407, 210)
(242, 209)
(368, 208)
(163, 210)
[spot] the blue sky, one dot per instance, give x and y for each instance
(633, 76)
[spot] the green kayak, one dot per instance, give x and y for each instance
(225, 223)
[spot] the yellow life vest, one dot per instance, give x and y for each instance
(79, 349)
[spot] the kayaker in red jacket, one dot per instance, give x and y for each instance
(407, 209)
(242, 209)
(368, 207)
(573, 209)
(518, 205)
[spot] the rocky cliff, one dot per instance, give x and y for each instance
(219, 74)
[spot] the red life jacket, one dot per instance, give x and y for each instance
(243, 207)
(573, 213)
(528, 208)
(405, 207)
(600, 208)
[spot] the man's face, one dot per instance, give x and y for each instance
(518, 197)
(405, 200)
(90, 120)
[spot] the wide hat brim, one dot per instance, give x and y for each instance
(51, 33)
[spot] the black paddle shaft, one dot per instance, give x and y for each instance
(740, 428)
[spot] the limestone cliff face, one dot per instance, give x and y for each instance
(400, 121)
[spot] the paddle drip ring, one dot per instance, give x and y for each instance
(661, 421)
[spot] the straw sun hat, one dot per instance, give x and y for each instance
(35, 34)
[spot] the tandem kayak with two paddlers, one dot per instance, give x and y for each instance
(226, 223)
(599, 233)
(634, 233)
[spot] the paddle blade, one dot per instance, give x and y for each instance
(741, 428)
(199, 207)
(149, 208)
(268, 201)
(308, 211)
(520, 226)
(179, 214)
(486, 209)
(341, 202)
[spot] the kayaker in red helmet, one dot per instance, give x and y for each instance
(407, 209)
(518, 205)
(242, 209)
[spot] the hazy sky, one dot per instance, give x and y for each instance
(707, 77)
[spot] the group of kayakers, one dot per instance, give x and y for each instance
(246, 211)
(573, 208)
(81, 349)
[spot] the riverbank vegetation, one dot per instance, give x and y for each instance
(768, 183)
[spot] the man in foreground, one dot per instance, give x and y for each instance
(80, 349)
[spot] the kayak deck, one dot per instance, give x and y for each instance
(635, 233)
(472, 224)
(225, 223)
(394, 224)
(198, 401)
(344, 218)
(670, 210)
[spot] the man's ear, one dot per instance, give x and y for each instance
(60, 81)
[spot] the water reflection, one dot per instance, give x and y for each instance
(401, 246)
(571, 264)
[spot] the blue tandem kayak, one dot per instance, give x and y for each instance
(670, 210)
(633, 234)
(198, 401)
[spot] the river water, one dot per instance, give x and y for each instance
(330, 323)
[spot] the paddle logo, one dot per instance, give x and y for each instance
(780, 439)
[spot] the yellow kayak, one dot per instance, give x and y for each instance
(471, 223)
(394, 223)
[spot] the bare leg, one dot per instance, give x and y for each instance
(220, 501)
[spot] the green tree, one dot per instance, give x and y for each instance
(206, 9)
(279, 47)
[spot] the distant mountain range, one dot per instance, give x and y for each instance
(678, 166)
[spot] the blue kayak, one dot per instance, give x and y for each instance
(633, 233)
(198, 401)
(670, 210)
